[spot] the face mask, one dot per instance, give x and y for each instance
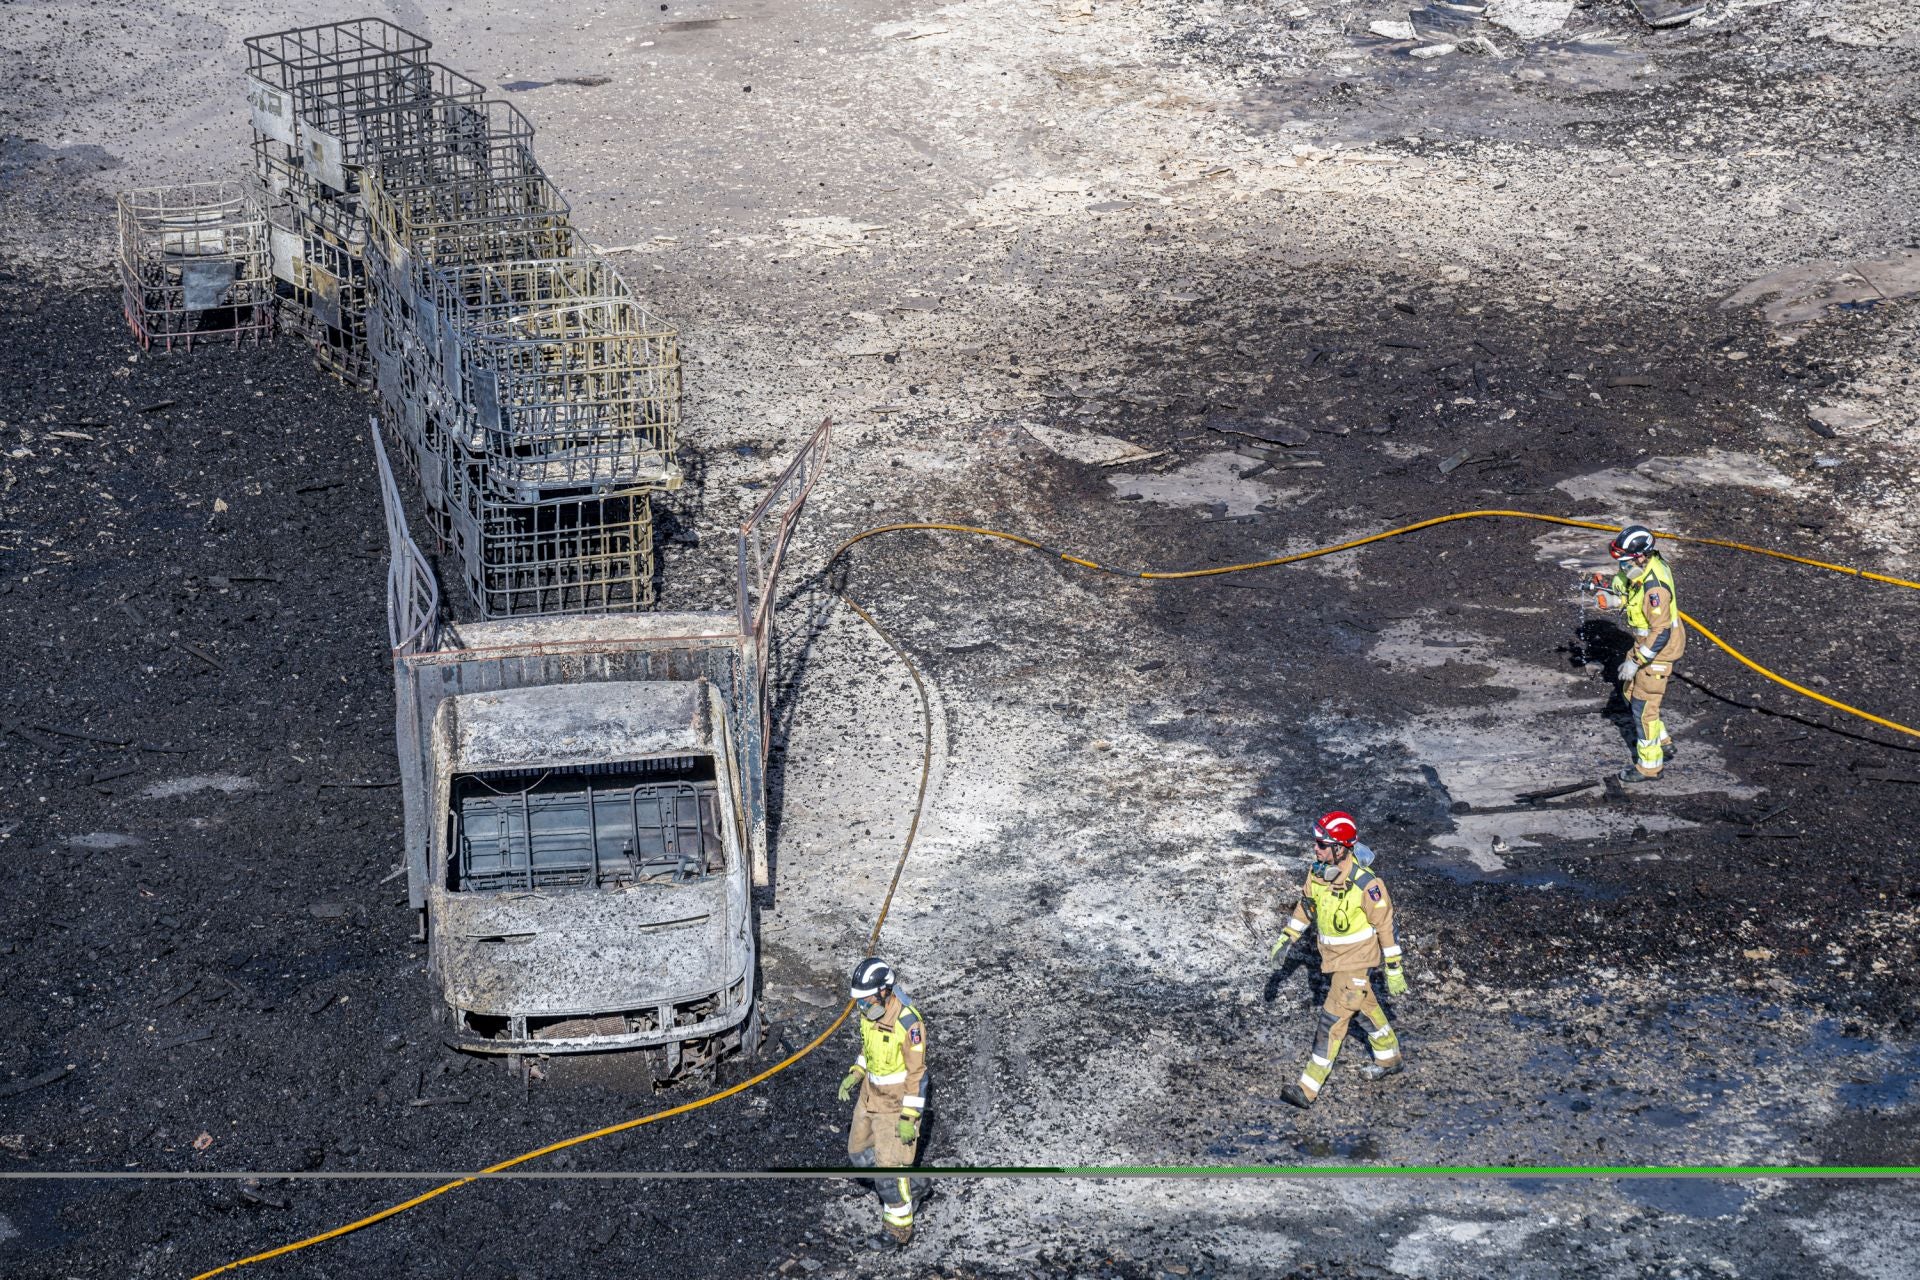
(874, 1010)
(1324, 870)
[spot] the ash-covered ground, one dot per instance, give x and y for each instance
(1166, 285)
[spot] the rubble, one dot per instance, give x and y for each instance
(1588, 1003)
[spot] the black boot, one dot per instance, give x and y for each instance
(1294, 1095)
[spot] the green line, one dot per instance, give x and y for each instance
(1281, 1172)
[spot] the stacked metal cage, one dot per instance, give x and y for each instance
(399, 222)
(528, 389)
(310, 92)
(194, 264)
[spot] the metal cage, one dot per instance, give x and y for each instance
(442, 220)
(578, 553)
(309, 88)
(558, 376)
(194, 264)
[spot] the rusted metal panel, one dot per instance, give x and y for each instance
(325, 156)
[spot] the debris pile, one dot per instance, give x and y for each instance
(398, 221)
(1450, 25)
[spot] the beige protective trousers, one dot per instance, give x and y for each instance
(1349, 992)
(873, 1141)
(1645, 692)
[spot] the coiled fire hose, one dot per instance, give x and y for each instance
(926, 769)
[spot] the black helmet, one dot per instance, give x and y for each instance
(870, 977)
(1634, 540)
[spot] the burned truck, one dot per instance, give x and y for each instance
(585, 802)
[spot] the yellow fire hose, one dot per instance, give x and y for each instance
(873, 940)
(926, 769)
(1153, 575)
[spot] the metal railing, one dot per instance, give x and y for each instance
(413, 596)
(764, 536)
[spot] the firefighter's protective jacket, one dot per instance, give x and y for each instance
(1354, 920)
(1653, 612)
(893, 1058)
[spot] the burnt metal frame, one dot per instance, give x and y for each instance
(763, 537)
(165, 233)
(759, 549)
(559, 376)
(330, 74)
(413, 595)
(671, 797)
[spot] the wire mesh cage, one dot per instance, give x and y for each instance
(405, 341)
(448, 137)
(194, 263)
(323, 99)
(558, 376)
(333, 244)
(398, 220)
(494, 204)
(310, 88)
(577, 553)
(419, 219)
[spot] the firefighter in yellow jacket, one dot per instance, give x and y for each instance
(891, 1075)
(1643, 590)
(1348, 906)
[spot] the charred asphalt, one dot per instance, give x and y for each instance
(205, 964)
(202, 930)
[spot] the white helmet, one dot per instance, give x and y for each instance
(870, 977)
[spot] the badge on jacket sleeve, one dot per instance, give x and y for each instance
(915, 1036)
(1373, 891)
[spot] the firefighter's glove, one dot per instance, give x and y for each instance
(1279, 952)
(848, 1085)
(1629, 668)
(1396, 980)
(909, 1130)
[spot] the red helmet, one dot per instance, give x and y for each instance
(1338, 826)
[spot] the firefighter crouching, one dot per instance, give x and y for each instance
(1348, 906)
(1643, 589)
(891, 1075)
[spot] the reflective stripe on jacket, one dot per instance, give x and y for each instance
(893, 1054)
(1354, 921)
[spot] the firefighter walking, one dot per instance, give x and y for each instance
(891, 1075)
(1348, 907)
(1642, 588)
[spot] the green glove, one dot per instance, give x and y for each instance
(1396, 981)
(848, 1085)
(1280, 948)
(909, 1130)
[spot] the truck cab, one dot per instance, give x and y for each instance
(590, 885)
